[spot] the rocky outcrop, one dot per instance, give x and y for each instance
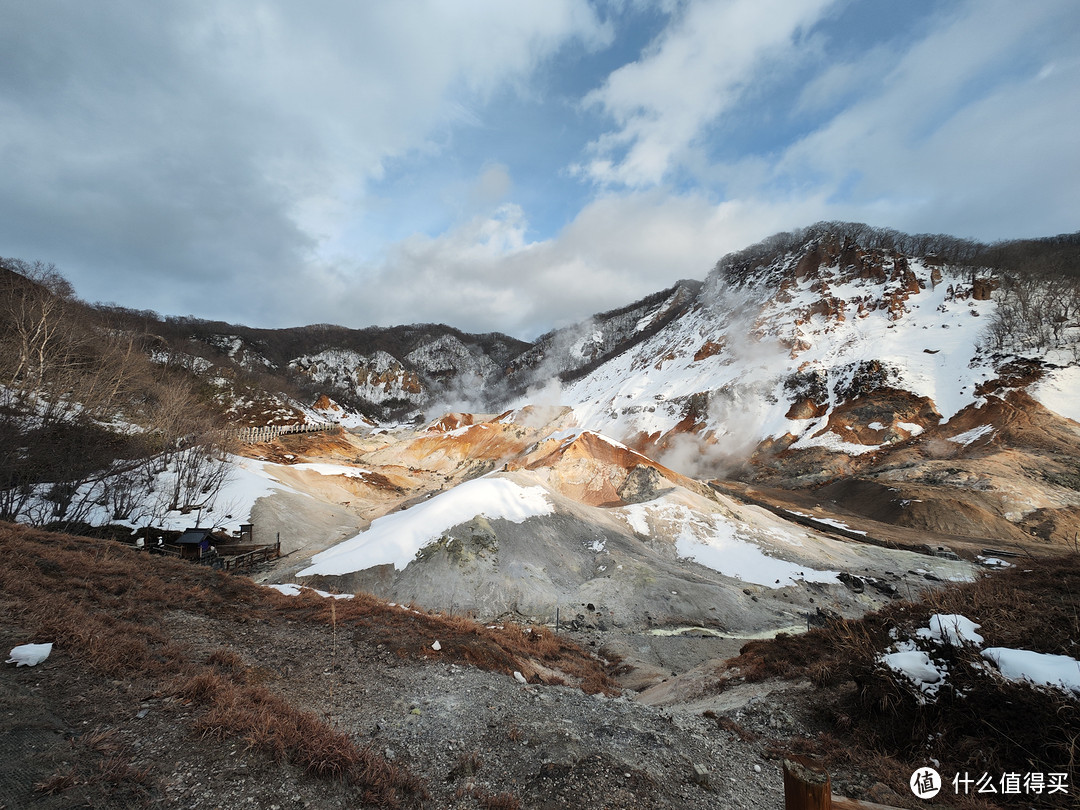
(644, 483)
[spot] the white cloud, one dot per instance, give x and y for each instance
(224, 165)
(487, 275)
(697, 69)
(492, 186)
(236, 141)
(957, 137)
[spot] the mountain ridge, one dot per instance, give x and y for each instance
(813, 356)
(403, 372)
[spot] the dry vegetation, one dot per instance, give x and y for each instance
(109, 606)
(72, 381)
(506, 648)
(875, 720)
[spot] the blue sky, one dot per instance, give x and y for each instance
(510, 166)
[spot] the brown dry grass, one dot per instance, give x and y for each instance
(979, 722)
(272, 726)
(1035, 607)
(108, 602)
(409, 633)
(108, 606)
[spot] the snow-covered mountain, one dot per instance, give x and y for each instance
(810, 342)
(776, 345)
(780, 353)
(926, 379)
(783, 436)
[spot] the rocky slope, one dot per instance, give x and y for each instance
(822, 362)
(519, 515)
(831, 421)
(851, 379)
(794, 341)
(385, 373)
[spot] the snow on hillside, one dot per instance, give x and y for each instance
(933, 347)
(447, 354)
(742, 345)
(719, 543)
(1059, 390)
(395, 539)
(247, 481)
(377, 378)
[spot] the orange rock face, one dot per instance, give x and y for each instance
(589, 468)
(708, 349)
(452, 421)
(806, 408)
(324, 403)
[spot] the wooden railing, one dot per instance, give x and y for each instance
(267, 433)
(250, 558)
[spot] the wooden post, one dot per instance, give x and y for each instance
(806, 786)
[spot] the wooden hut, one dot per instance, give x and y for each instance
(194, 543)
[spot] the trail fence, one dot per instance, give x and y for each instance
(267, 433)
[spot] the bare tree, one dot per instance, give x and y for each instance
(87, 423)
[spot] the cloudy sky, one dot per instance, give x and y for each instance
(510, 166)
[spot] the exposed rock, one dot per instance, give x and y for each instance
(643, 483)
(708, 349)
(982, 288)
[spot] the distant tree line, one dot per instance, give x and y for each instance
(950, 249)
(188, 336)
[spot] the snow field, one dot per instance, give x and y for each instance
(718, 543)
(396, 538)
(933, 349)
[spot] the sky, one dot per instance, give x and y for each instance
(510, 166)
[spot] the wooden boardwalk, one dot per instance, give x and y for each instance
(253, 435)
(249, 559)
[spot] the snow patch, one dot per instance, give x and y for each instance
(1041, 669)
(953, 628)
(832, 442)
(1059, 390)
(836, 524)
(968, 436)
(916, 666)
(29, 655)
(289, 589)
(395, 539)
(714, 541)
(332, 469)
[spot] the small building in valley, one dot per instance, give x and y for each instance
(194, 543)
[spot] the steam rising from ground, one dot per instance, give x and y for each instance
(738, 411)
(548, 394)
(461, 398)
(737, 415)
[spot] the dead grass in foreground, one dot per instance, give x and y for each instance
(539, 654)
(979, 721)
(107, 605)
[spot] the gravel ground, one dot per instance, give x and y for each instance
(464, 732)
